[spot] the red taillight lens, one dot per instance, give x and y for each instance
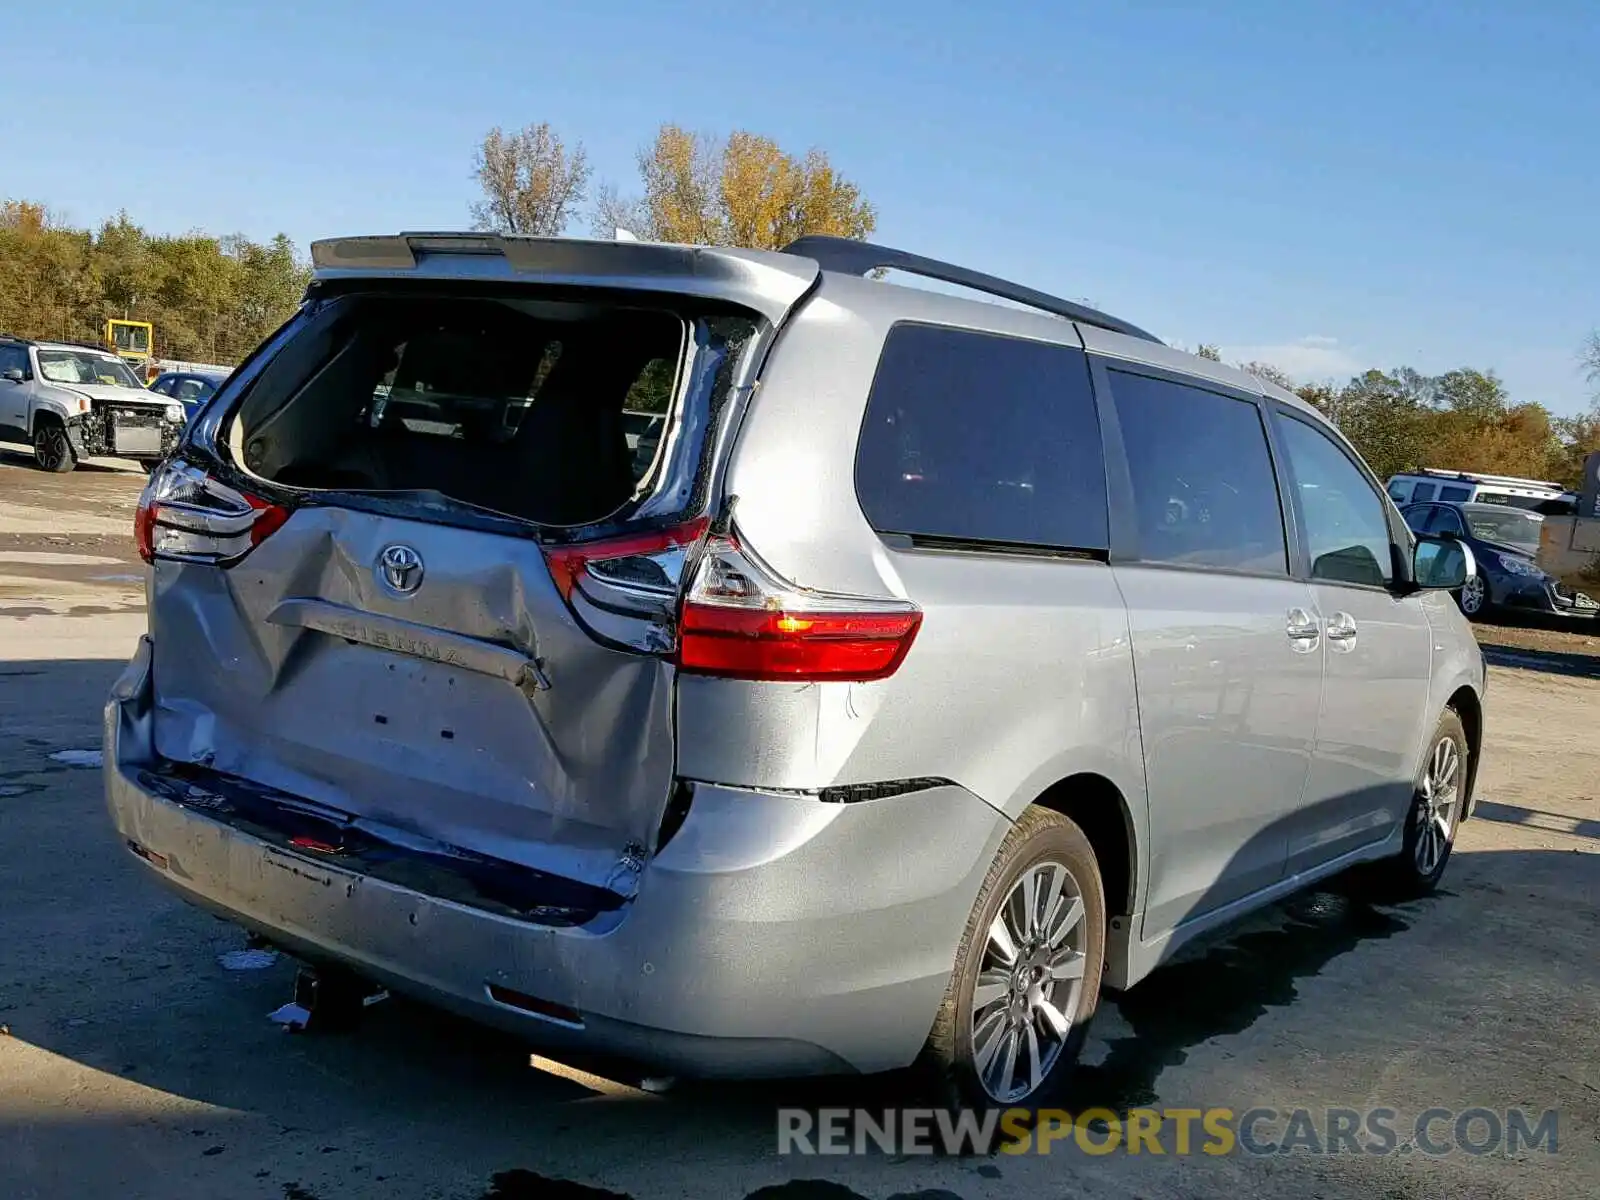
(144, 528)
(650, 562)
(737, 618)
(186, 515)
(748, 644)
(741, 620)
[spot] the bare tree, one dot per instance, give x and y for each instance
(613, 211)
(1268, 372)
(531, 181)
(1589, 357)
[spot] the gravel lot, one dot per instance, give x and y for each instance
(134, 1065)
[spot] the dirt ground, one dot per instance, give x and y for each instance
(134, 1063)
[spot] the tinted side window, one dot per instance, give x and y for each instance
(1346, 529)
(1417, 517)
(1203, 487)
(1400, 489)
(1424, 492)
(978, 437)
(13, 358)
(1445, 520)
(1454, 493)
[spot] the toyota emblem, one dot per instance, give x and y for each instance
(400, 568)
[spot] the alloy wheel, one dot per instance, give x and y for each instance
(1472, 595)
(50, 446)
(1436, 806)
(1030, 983)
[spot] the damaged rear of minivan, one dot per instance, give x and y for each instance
(424, 575)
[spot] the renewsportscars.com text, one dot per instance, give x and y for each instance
(1167, 1131)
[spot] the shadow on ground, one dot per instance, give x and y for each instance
(107, 971)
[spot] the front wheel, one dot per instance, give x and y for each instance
(1437, 807)
(1474, 597)
(51, 448)
(1027, 972)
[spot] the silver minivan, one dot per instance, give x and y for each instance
(941, 662)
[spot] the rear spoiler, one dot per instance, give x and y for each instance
(766, 282)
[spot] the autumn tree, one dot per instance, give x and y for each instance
(1384, 416)
(532, 181)
(210, 299)
(1480, 395)
(743, 190)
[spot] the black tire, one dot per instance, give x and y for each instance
(1039, 842)
(1419, 866)
(52, 450)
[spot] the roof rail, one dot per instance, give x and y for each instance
(860, 258)
(1482, 477)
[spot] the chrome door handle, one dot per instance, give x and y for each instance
(1342, 629)
(1303, 630)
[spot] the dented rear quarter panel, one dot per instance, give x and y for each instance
(1021, 674)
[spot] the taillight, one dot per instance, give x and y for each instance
(186, 515)
(734, 617)
(625, 590)
(646, 564)
(741, 621)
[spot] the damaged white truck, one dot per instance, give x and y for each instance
(69, 402)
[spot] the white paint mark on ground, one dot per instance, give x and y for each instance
(52, 558)
(247, 960)
(79, 758)
(291, 1016)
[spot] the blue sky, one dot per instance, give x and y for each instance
(1328, 186)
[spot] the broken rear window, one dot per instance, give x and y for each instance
(549, 411)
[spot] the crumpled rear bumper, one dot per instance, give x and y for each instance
(773, 935)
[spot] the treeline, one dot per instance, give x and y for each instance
(210, 299)
(214, 298)
(1463, 420)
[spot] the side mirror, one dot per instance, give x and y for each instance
(1441, 563)
(14, 375)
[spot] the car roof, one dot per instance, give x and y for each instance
(765, 279)
(907, 302)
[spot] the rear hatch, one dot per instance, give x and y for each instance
(416, 569)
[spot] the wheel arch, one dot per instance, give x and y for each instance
(1468, 705)
(1097, 806)
(51, 410)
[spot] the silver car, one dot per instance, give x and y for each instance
(944, 662)
(69, 402)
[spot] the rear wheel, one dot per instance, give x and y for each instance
(1027, 973)
(51, 448)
